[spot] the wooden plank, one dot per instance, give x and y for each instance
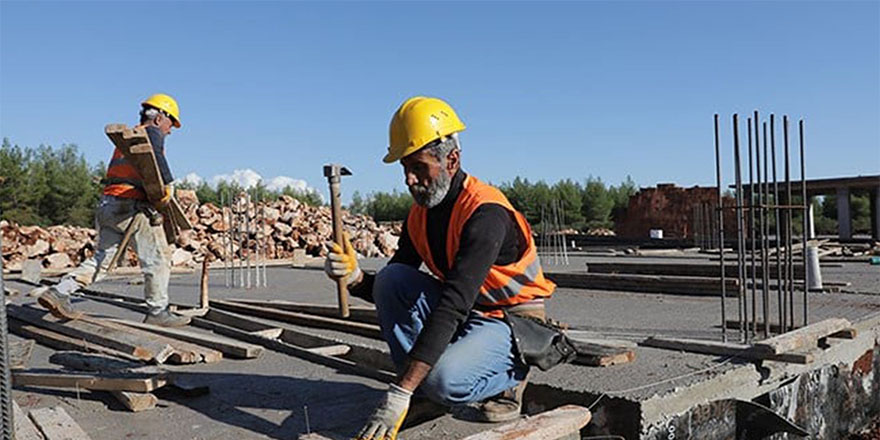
(369, 330)
(803, 337)
(331, 350)
(597, 355)
(561, 423)
(224, 345)
(56, 424)
(269, 333)
(730, 349)
(849, 333)
(360, 314)
(697, 286)
(136, 382)
(136, 402)
(60, 341)
(24, 428)
(678, 269)
(181, 352)
(96, 334)
(76, 360)
(20, 353)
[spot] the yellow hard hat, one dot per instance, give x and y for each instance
(419, 121)
(165, 103)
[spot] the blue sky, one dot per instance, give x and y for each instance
(547, 90)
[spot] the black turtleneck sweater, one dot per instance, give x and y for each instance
(490, 236)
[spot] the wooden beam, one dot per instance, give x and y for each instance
(56, 424)
(562, 423)
(24, 428)
(697, 286)
(728, 349)
(136, 402)
(804, 337)
(360, 314)
(20, 353)
(140, 383)
(678, 269)
(60, 341)
(145, 350)
(369, 330)
(331, 350)
(849, 333)
(226, 346)
(181, 352)
(79, 361)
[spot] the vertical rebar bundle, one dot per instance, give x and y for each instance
(766, 206)
(6, 418)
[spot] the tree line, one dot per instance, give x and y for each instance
(52, 186)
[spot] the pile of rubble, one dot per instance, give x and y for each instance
(278, 229)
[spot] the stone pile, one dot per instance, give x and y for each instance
(280, 227)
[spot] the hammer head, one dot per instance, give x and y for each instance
(335, 170)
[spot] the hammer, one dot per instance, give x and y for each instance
(334, 173)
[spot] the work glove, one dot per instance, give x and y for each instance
(163, 202)
(342, 263)
(386, 420)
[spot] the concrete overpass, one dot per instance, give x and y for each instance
(842, 187)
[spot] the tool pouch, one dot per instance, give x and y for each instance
(537, 343)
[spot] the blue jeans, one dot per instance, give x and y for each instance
(477, 364)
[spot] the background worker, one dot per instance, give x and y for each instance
(123, 202)
(447, 334)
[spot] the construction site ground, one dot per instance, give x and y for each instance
(280, 397)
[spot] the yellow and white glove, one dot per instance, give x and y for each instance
(386, 420)
(342, 263)
(163, 202)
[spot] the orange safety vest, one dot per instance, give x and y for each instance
(123, 180)
(514, 284)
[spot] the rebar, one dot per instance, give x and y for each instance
(806, 217)
(720, 210)
(759, 190)
(789, 257)
(240, 222)
(6, 416)
(740, 239)
(751, 206)
(765, 240)
(248, 231)
(777, 219)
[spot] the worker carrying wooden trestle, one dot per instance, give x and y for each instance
(451, 336)
(125, 210)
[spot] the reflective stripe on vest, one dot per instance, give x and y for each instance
(123, 180)
(517, 283)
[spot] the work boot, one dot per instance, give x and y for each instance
(502, 407)
(165, 318)
(57, 304)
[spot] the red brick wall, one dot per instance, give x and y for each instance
(671, 209)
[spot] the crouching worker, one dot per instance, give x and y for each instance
(125, 203)
(448, 334)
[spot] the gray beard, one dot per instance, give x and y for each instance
(432, 195)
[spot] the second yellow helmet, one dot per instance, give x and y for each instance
(165, 103)
(419, 121)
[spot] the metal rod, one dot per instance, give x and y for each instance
(765, 243)
(223, 240)
(740, 239)
(240, 222)
(806, 215)
(760, 218)
(751, 205)
(789, 257)
(248, 230)
(6, 402)
(720, 230)
(776, 220)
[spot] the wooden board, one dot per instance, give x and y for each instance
(369, 330)
(331, 350)
(56, 424)
(79, 361)
(698, 286)
(849, 333)
(804, 337)
(136, 402)
(24, 428)
(140, 383)
(680, 269)
(20, 353)
(116, 340)
(730, 349)
(60, 341)
(561, 423)
(226, 346)
(360, 314)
